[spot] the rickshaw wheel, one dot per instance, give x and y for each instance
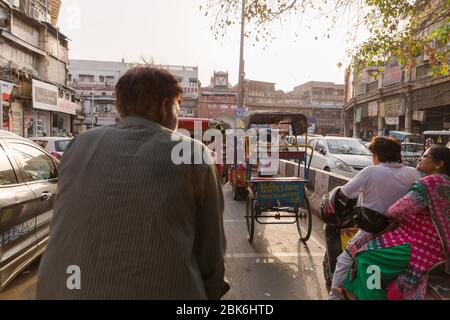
(304, 221)
(250, 218)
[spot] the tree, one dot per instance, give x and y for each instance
(400, 29)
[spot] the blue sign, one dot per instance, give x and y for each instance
(240, 111)
(280, 193)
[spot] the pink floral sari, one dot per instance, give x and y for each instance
(424, 222)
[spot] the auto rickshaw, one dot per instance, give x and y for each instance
(440, 138)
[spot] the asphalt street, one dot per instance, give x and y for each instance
(277, 266)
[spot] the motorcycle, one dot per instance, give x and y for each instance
(343, 219)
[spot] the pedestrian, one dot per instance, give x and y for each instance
(377, 188)
(128, 223)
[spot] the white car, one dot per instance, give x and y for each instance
(53, 145)
(344, 156)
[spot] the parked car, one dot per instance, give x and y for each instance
(28, 186)
(54, 145)
(344, 156)
(412, 146)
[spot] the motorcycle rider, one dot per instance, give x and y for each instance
(377, 188)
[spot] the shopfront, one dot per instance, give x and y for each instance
(431, 107)
(393, 111)
(366, 119)
(51, 115)
(6, 89)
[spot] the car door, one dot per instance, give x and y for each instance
(18, 242)
(39, 171)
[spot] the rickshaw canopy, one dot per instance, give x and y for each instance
(298, 121)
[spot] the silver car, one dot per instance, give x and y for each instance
(344, 156)
(28, 187)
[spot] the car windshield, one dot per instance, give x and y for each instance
(414, 148)
(61, 145)
(413, 139)
(352, 147)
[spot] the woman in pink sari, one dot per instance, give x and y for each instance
(423, 226)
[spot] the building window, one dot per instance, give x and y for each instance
(109, 79)
(102, 78)
(86, 78)
(423, 71)
(69, 77)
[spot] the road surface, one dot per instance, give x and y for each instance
(276, 267)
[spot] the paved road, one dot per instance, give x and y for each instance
(24, 286)
(276, 267)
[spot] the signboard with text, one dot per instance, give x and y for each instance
(45, 96)
(373, 109)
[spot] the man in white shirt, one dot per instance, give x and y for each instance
(377, 187)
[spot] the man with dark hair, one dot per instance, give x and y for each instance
(129, 223)
(377, 188)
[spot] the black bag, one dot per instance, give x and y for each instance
(371, 221)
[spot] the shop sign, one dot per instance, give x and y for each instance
(106, 121)
(17, 119)
(66, 106)
(373, 109)
(394, 107)
(45, 96)
(7, 89)
(394, 121)
(358, 115)
(419, 115)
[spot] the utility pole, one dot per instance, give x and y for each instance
(92, 109)
(241, 60)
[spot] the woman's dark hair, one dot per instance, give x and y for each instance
(142, 89)
(387, 149)
(439, 153)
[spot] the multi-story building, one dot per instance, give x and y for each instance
(219, 100)
(405, 100)
(322, 102)
(33, 70)
(262, 96)
(188, 77)
(326, 100)
(95, 81)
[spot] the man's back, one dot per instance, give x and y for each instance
(133, 222)
(379, 187)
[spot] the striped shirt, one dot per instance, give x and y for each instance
(135, 224)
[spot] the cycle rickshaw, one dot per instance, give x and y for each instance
(278, 200)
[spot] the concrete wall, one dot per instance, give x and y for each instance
(320, 182)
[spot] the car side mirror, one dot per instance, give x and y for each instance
(324, 152)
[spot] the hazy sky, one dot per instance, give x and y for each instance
(176, 32)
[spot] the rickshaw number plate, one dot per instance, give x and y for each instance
(280, 193)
